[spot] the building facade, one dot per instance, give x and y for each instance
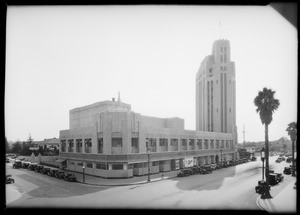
(111, 141)
(215, 91)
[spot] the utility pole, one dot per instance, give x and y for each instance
(244, 135)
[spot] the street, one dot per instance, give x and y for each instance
(228, 188)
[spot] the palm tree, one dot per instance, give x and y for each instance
(266, 104)
(292, 131)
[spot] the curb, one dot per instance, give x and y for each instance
(129, 184)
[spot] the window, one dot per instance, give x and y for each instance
(205, 144)
(71, 143)
(221, 68)
(163, 141)
(116, 142)
(221, 49)
(191, 144)
(134, 145)
(151, 143)
(183, 144)
(212, 144)
(63, 145)
(221, 58)
(217, 144)
(227, 144)
(89, 165)
(174, 144)
(100, 145)
(71, 163)
(222, 144)
(88, 142)
(199, 144)
(117, 166)
(100, 166)
(79, 164)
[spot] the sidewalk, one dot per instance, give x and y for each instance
(285, 201)
(93, 180)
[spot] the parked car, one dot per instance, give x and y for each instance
(185, 172)
(259, 187)
(206, 169)
(289, 159)
(213, 166)
(45, 170)
(9, 179)
(17, 164)
(7, 160)
(39, 168)
(52, 172)
(253, 158)
(25, 164)
(278, 160)
(287, 170)
(32, 166)
(59, 174)
(232, 163)
(275, 178)
(195, 170)
(245, 160)
(70, 177)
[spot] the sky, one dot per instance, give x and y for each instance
(62, 57)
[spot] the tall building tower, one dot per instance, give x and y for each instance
(215, 91)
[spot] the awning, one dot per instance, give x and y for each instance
(60, 160)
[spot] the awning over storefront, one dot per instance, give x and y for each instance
(60, 160)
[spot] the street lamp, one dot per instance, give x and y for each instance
(83, 179)
(221, 156)
(148, 154)
(263, 160)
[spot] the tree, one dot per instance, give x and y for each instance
(292, 132)
(266, 104)
(7, 147)
(16, 147)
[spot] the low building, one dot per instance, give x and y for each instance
(111, 141)
(51, 144)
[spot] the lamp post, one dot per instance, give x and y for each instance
(83, 179)
(221, 156)
(263, 160)
(148, 154)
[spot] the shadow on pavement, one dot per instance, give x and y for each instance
(59, 188)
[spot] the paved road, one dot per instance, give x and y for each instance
(230, 188)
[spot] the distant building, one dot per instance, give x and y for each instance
(51, 144)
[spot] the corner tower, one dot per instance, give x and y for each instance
(215, 91)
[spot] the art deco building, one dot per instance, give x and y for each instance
(215, 91)
(111, 141)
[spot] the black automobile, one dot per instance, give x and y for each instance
(17, 164)
(32, 166)
(253, 158)
(195, 170)
(259, 187)
(25, 164)
(45, 170)
(59, 174)
(7, 160)
(232, 163)
(289, 160)
(52, 172)
(185, 172)
(275, 178)
(39, 168)
(206, 169)
(70, 177)
(9, 179)
(287, 170)
(244, 160)
(278, 160)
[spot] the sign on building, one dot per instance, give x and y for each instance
(189, 162)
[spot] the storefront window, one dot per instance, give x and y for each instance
(117, 166)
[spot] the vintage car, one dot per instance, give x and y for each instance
(206, 169)
(25, 164)
(213, 166)
(70, 177)
(232, 163)
(185, 172)
(9, 179)
(275, 178)
(32, 166)
(244, 160)
(259, 187)
(278, 160)
(45, 170)
(59, 174)
(17, 164)
(39, 168)
(289, 159)
(287, 170)
(195, 170)
(253, 158)
(7, 160)
(52, 172)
